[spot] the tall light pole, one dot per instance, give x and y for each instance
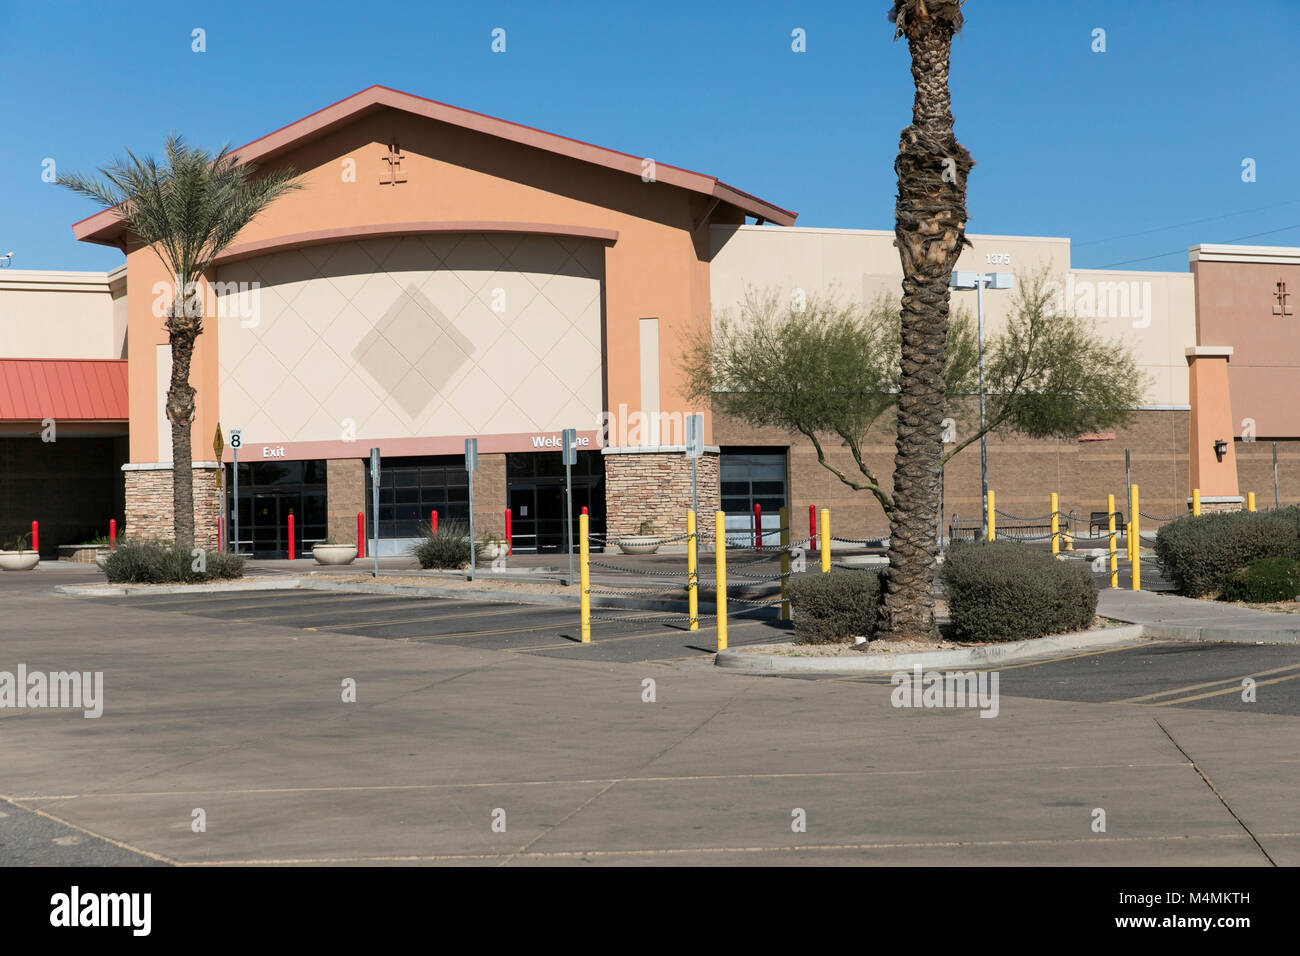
(979, 281)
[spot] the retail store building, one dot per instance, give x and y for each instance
(445, 275)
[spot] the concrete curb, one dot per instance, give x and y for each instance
(355, 587)
(752, 663)
(211, 587)
(1222, 635)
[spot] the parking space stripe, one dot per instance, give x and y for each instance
(444, 617)
(1213, 683)
(1219, 693)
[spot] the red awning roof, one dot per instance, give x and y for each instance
(63, 389)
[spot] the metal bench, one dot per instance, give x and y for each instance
(1100, 521)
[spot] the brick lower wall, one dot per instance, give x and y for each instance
(1255, 470)
(345, 495)
(656, 487)
(1022, 472)
(490, 496)
(149, 505)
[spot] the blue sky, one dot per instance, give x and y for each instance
(1147, 138)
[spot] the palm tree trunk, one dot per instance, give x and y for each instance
(182, 330)
(930, 230)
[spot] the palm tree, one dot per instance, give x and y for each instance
(930, 230)
(187, 211)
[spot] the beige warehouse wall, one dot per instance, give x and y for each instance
(61, 315)
(1153, 313)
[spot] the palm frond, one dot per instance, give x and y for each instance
(188, 208)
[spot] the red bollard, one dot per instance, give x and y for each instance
(584, 509)
(510, 538)
(290, 535)
(758, 527)
(221, 533)
(361, 534)
(112, 534)
(433, 521)
(36, 537)
(812, 527)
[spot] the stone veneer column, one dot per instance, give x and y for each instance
(490, 496)
(655, 485)
(149, 502)
(345, 495)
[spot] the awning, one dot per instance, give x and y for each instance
(63, 389)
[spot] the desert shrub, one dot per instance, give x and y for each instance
(1267, 579)
(833, 608)
(1007, 591)
(447, 548)
(157, 562)
(1197, 554)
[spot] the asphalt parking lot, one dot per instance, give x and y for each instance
(631, 750)
(1155, 674)
(617, 635)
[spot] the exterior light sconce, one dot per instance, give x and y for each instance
(1220, 448)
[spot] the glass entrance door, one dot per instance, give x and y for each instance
(268, 539)
(537, 517)
(269, 527)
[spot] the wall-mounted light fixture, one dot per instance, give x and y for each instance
(1220, 448)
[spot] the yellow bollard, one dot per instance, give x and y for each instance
(826, 540)
(1250, 501)
(1196, 502)
(1135, 531)
(584, 577)
(1111, 543)
(785, 565)
(720, 565)
(692, 571)
(992, 520)
(1056, 525)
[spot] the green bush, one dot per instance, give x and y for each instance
(1268, 579)
(1007, 591)
(157, 562)
(448, 548)
(833, 608)
(1198, 554)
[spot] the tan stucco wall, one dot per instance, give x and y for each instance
(414, 336)
(1235, 302)
(863, 264)
(655, 268)
(62, 314)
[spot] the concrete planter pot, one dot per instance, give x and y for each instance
(638, 544)
(491, 550)
(101, 556)
(19, 560)
(333, 554)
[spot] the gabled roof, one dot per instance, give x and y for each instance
(105, 227)
(63, 389)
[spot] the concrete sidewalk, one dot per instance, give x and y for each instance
(1171, 617)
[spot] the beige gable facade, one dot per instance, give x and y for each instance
(413, 337)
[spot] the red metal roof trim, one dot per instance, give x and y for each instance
(63, 389)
